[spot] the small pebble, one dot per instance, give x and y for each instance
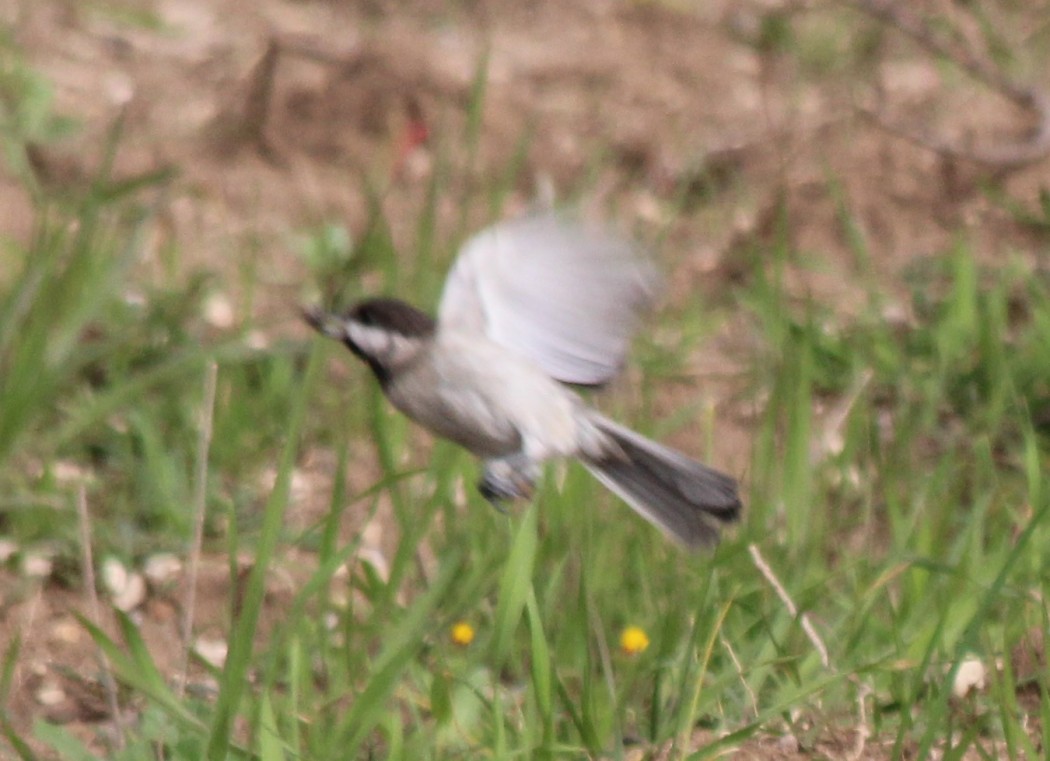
(50, 694)
(969, 677)
(162, 568)
(211, 650)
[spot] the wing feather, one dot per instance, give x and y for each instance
(565, 295)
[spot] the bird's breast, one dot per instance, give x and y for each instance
(487, 399)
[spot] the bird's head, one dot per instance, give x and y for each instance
(386, 333)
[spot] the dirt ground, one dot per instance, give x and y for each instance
(635, 102)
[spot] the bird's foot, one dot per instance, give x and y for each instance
(502, 481)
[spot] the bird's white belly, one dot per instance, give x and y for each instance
(489, 400)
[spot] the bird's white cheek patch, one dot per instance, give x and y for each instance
(380, 343)
(372, 340)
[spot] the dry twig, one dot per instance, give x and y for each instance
(1005, 156)
(803, 619)
(863, 689)
(863, 729)
(88, 571)
(740, 673)
(199, 502)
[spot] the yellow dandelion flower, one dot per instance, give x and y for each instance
(634, 640)
(462, 633)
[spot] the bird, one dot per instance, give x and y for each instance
(532, 309)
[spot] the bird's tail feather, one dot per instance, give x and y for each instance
(686, 499)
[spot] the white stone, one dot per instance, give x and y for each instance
(969, 677)
(162, 568)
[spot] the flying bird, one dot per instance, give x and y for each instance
(531, 307)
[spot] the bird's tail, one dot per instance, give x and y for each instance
(686, 499)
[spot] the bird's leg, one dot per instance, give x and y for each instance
(508, 478)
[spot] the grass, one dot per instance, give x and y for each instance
(907, 528)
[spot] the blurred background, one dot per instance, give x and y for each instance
(850, 202)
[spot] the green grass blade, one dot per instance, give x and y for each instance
(268, 738)
(369, 706)
(135, 667)
(241, 642)
(68, 747)
(540, 657)
(515, 584)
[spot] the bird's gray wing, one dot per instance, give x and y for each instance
(563, 294)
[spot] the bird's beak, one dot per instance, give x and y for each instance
(324, 322)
